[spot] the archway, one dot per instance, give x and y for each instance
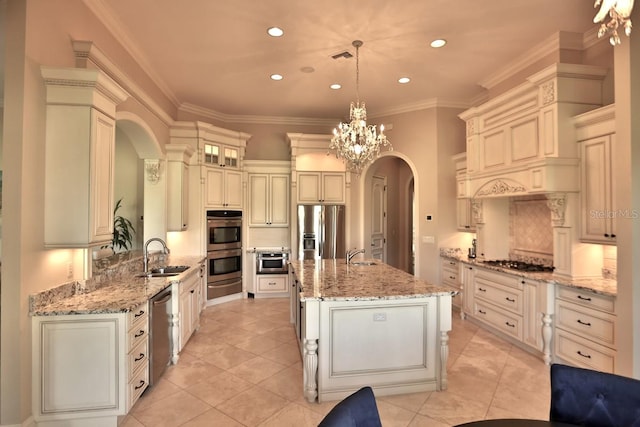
(398, 174)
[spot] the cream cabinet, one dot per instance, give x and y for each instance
(321, 187)
(79, 140)
(450, 277)
(598, 190)
(468, 275)
(178, 186)
(272, 284)
(269, 200)
(190, 302)
(223, 188)
(585, 329)
(88, 368)
(466, 221)
(221, 155)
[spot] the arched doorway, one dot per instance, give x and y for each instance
(396, 222)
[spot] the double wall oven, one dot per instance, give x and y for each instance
(224, 253)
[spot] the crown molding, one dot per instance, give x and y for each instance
(422, 105)
(105, 15)
(559, 40)
(254, 119)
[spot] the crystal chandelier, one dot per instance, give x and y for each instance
(357, 143)
(619, 12)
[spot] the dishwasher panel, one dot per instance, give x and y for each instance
(160, 341)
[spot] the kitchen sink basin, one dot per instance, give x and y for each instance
(363, 263)
(168, 271)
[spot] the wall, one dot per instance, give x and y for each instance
(127, 184)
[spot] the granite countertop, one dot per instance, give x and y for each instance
(597, 285)
(118, 296)
(333, 279)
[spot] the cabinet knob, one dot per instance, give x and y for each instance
(606, 234)
(613, 236)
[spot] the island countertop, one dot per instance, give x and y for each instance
(334, 279)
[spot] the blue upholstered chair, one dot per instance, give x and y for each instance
(593, 399)
(356, 410)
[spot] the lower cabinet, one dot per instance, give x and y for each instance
(585, 329)
(190, 306)
(450, 277)
(271, 285)
(88, 369)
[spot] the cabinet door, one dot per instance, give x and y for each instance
(258, 199)
(596, 192)
(468, 273)
(333, 188)
(233, 189)
(185, 318)
(177, 195)
(279, 197)
(102, 171)
(309, 187)
(465, 216)
(214, 193)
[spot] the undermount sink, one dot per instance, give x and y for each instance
(168, 271)
(363, 263)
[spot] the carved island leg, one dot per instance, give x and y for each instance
(310, 370)
(546, 338)
(444, 356)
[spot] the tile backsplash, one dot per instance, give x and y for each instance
(530, 230)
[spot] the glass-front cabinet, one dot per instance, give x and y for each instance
(221, 155)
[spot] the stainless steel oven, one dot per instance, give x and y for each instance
(224, 272)
(224, 230)
(271, 263)
(224, 253)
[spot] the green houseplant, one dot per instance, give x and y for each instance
(122, 231)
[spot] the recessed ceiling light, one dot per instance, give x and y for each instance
(438, 43)
(276, 77)
(275, 32)
(404, 80)
(335, 86)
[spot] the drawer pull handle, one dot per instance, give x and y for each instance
(584, 298)
(140, 385)
(140, 313)
(139, 358)
(583, 323)
(510, 299)
(511, 325)
(193, 290)
(452, 277)
(272, 283)
(139, 334)
(482, 312)
(588, 356)
(482, 290)
(452, 263)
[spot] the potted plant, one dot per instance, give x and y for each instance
(122, 231)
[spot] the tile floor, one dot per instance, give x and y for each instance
(242, 368)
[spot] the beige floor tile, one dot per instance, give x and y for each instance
(451, 408)
(219, 388)
(411, 402)
(258, 344)
(211, 418)
(293, 415)
(190, 370)
(286, 383)
(285, 353)
(172, 411)
(478, 368)
(257, 369)
(472, 387)
(424, 421)
(229, 357)
(394, 416)
(253, 406)
(160, 390)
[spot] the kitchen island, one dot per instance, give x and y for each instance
(367, 323)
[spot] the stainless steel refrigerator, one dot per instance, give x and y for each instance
(321, 231)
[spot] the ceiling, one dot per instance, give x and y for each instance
(216, 55)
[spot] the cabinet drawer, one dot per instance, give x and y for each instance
(590, 324)
(450, 264)
(138, 333)
(583, 353)
(138, 314)
(511, 325)
(272, 283)
(499, 278)
(138, 357)
(137, 384)
(503, 296)
(587, 299)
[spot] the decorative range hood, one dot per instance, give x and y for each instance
(523, 142)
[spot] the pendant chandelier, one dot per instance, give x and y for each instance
(357, 143)
(619, 12)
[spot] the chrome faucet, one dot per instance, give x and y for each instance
(145, 258)
(351, 253)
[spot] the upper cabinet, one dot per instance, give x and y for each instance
(596, 137)
(178, 156)
(269, 193)
(521, 142)
(321, 187)
(79, 156)
(220, 156)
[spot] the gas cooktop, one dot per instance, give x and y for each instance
(520, 265)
